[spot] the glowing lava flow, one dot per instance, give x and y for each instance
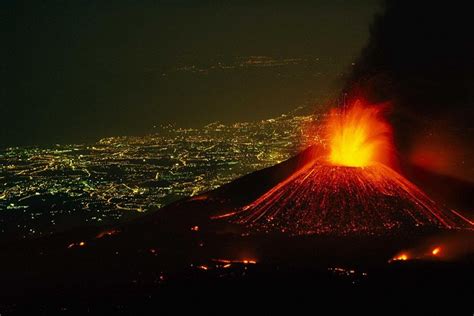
(351, 192)
(326, 199)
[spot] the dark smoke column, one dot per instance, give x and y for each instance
(420, 58)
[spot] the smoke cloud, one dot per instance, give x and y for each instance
(420, 58)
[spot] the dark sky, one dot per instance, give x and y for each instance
(80, 70)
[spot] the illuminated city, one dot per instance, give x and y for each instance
(119, 177)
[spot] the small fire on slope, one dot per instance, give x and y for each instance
(350, 190)
(444, 247)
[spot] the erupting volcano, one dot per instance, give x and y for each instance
(349, 190)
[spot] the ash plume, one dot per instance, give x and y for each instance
(419, 58)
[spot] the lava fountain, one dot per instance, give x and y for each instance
(350, 189)
(359, 136)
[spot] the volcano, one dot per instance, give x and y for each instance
(348, 190)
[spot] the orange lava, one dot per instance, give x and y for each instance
(401, 257)
(107, 233)
(244, 261)
(325, 199)
(358, 136)
(77, 244)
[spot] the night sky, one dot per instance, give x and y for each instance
(80, 70)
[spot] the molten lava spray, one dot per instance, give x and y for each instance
(350, 190)
(359, 136)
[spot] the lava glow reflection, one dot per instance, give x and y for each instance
(358, 136)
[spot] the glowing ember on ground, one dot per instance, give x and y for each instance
(107, 233)
(419, 253)
(358, 136)
(77, 244)
(244, 261)
(436, 251)
(401, 257)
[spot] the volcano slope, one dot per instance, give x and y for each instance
(327, 199)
